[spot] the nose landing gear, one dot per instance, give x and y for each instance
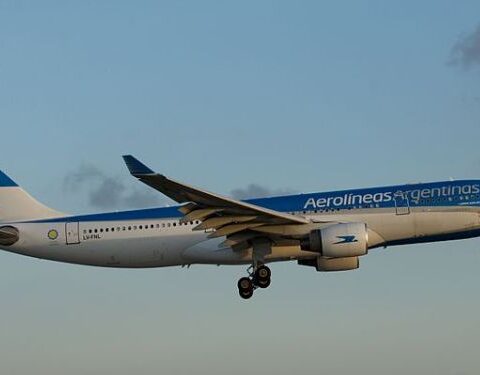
(259, 278)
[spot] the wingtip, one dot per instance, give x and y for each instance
(135, 166)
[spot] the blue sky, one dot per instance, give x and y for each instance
(301, 96)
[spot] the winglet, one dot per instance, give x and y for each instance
(135, 166)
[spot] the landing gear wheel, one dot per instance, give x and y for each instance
(245, 284)
(262, 277)
(246, 294)
(245, 287)
(263, 273)
(263, 283)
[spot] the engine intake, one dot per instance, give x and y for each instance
(338, 241)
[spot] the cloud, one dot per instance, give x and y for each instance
(109, 192)
(74, 181)
(257, 191)
(466, 51)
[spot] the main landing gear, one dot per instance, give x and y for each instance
(259, 278)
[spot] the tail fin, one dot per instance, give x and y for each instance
(16, 204)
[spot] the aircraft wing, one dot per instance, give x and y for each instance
(224, 215)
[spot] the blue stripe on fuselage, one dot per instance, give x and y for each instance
(438, 194)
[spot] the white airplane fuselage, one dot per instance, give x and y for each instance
(156, 237)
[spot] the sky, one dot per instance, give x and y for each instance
(241, 98)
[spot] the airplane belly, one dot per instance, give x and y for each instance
(163, 252)
(133, 252)
(416, 224)
(434, 223)
(209, 252)
(142, 252)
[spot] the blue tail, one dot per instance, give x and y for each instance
(6, 181)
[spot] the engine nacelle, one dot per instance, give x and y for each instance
(338, 241)
(8, 235)
(331, 264)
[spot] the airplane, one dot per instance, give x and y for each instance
(326, 231)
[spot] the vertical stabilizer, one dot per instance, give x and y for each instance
(16, 204)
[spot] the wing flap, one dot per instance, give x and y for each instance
(200, 214)
(217, 222)
(233, 228)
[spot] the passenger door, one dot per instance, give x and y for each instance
(402, 205)
(72, 233)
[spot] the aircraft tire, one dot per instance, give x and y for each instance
(245, 287)
(263, 273)
(246, 294)
(264, 283)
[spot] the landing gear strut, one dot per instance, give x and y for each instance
(259, 278)
(258, 273)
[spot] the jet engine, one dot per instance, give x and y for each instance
(331, 264)
(8, 235)
(338, 240)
